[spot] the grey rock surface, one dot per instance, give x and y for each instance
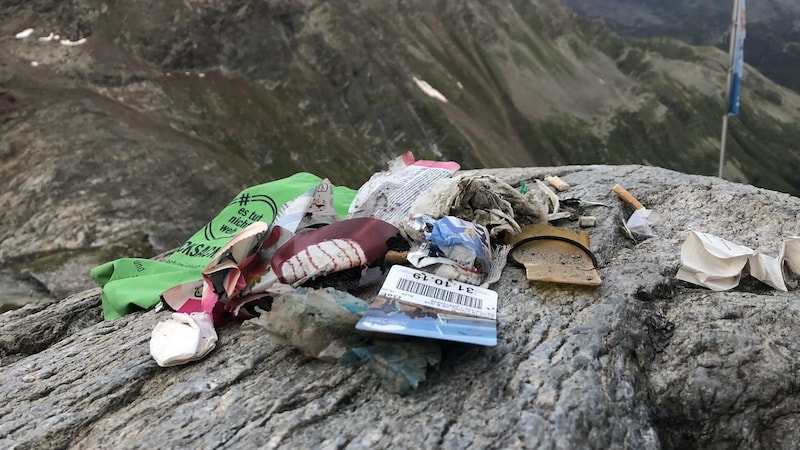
(645, 361)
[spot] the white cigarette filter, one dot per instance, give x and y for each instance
(557, 183)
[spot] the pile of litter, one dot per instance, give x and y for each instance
(379, 276)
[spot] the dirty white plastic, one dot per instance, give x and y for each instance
(183, 338)
(640, 222)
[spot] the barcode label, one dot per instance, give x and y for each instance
(439, 293)
(425, 289)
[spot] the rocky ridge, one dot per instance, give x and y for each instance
(129, 132)
(643, 361)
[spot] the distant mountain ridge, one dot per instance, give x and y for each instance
(773, 28)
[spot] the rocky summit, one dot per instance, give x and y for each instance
(643, 361)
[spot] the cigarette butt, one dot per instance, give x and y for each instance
(557, 183)
(627, 197)
(587, 221)
(395, 257)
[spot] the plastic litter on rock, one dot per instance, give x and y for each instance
(402, 365)
(459, 247)
(389, 195)
(382, 276)
(133, 284)
(294, 276)
(484, 200)
(407, 267)
(318, 322)
(183, 338)
(554, 254)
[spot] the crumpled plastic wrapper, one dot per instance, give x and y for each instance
(320, 322)
(485, 200)
(401, 365)
(182, 338)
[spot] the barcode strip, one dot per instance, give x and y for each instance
(438, 293)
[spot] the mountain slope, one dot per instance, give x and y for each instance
(773, 28)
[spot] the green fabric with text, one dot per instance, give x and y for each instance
(131, 284)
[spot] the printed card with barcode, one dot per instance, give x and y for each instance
(416, 303)
(425, 289)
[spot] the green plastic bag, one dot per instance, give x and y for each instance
(130, 284)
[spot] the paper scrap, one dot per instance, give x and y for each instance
(717, 264)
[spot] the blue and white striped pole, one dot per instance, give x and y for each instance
(735, 72)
